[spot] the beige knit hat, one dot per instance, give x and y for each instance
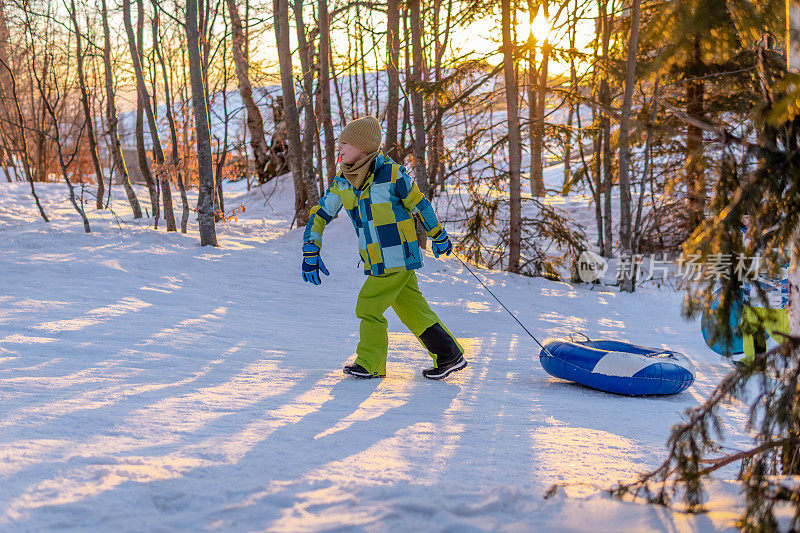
(364, 133)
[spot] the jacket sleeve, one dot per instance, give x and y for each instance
(413, 200)
(326, 210)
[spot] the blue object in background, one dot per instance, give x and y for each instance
(618, 367)
(708, 326)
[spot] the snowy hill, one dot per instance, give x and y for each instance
(147, 383)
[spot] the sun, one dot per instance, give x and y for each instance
(539, 29)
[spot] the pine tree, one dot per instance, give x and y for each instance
(760, 179)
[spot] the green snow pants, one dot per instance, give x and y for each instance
(774, 322)
(400, 291)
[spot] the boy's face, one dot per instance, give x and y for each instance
(349, 154)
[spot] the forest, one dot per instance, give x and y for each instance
(634, 131)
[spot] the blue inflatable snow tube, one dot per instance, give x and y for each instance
(618, 367)
(708, 327)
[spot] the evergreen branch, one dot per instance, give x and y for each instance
(716, 464)
(725, 136)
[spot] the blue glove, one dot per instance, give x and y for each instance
(442, 244)
(312, 263)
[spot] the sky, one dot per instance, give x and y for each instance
(483, 37)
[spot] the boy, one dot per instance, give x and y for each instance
(381, 199)
(773, 319)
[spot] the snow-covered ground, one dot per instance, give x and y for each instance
(149, 384)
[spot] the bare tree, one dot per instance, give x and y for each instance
(46, 89)
(255, 123)
(393, 74)
(87, 112)
(537, 100)
(305, 190)
(606, 20)
(112, 119)
(417, 103)
(514, 141)
(628, 281)
(171, 119)
(205, 198)
(441, 39)
(324, 83)
(695, 106)
(148, 109)
(573, 88)
(5, 113)
(20, 123)
(310, 122)
(141, 152)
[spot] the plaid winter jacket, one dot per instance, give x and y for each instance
(382, 215)
(777, 290)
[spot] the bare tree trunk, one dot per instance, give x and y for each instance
(305, 193)
(438, 171)
(535, 145)
(340, 104)
(255, 123)
(647, 170)
(5, 84)
(144, 97)
(418, 105)
(597, 176)
(605, 122)
(111, 117)
(568, 151)
(222, 154)
(161, 175)
(171, 119)
(514, 142)
(573, 87)
(5, 55)
(608, 183)
(352, 71)
(597, 139)
(205, 198)
(4, 148)
(324, 82)
(695, 176)
(393, 75)
(628, 283)
(306, 52)
(430, 142)
(42, 161)
(87, 113)
(406, 122)
(360, 59)
(321, 163)
(537, 138)
(144, 164)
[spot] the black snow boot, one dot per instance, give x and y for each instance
(449, 357)
(358, 371)
(442, 370)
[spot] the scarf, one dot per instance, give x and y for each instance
(356, 173)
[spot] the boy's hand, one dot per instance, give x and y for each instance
(442, 244)
(312, 263)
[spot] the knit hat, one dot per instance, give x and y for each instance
(363, 133)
